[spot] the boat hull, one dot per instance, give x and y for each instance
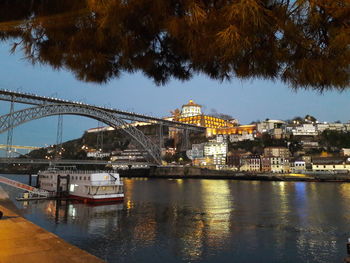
(97, 200)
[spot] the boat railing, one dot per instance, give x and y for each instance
(104, 183)
(57, 171)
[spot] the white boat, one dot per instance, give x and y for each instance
(88, 186)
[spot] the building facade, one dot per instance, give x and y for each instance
(250, 163)
(191, 109)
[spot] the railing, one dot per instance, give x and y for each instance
(102, 183)
(24, 187)
(79, 171)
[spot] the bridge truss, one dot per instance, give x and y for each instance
(22, 116)
(49, 106)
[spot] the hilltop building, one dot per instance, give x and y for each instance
(191, 109)
(191, 113)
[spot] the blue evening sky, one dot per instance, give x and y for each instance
(245, 100)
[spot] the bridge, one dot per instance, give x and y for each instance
(71, 162)
(48, 106)
(17, 148)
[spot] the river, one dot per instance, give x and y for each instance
(198, 220)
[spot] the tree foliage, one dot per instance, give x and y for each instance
(335, 139)
(304, 43)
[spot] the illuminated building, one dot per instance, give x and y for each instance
(191, 109)
(206, 121)
(210, 154)
(214, 148)
(191, 114)
(239, 130)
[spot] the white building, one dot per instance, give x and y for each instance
(298, 166)
(269, 125)
(214, 148)
(97, 154)
(241, 137)
(191, 109)
(304, 130)
(280, 165)
(331, 164)
(345, 151)
(196, 152)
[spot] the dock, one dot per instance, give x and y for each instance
(23, 241)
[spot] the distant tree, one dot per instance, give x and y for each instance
(303, 43)
(175, 113)
(255, 122)
(310, 118)
(331, 139)
(294, 146)
(298, 120)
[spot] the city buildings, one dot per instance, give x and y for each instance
(250, 163)
(331, 164)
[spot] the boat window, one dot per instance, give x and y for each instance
(80, 178)
(84, 178)
(89, 178)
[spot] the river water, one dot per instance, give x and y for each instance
(206, 221)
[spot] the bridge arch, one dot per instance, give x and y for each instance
(22, 116)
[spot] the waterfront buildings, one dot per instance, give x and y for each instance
(210, 154)
(250, 163)
(298, 166)
(331, 164)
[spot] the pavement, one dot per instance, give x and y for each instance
(22, 241)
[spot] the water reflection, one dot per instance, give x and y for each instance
(208, 221)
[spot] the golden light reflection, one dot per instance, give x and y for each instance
(145, 231)
(192, 246)
(345, 190)
(218, 204)
(179, 181)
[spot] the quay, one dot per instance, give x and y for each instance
(189, 172)
(23, 241)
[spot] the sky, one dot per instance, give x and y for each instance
(247, 100)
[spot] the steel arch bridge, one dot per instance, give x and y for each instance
(17, 118)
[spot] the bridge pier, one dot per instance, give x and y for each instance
(30, 180)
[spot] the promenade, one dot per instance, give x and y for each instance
(23, 241)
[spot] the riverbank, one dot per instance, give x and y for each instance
(200, 173)
(23, 241)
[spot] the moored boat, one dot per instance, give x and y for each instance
(88, 186)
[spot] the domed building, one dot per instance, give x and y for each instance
(191, 109)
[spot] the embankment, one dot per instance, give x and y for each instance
(200, 173)
(23, 241)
